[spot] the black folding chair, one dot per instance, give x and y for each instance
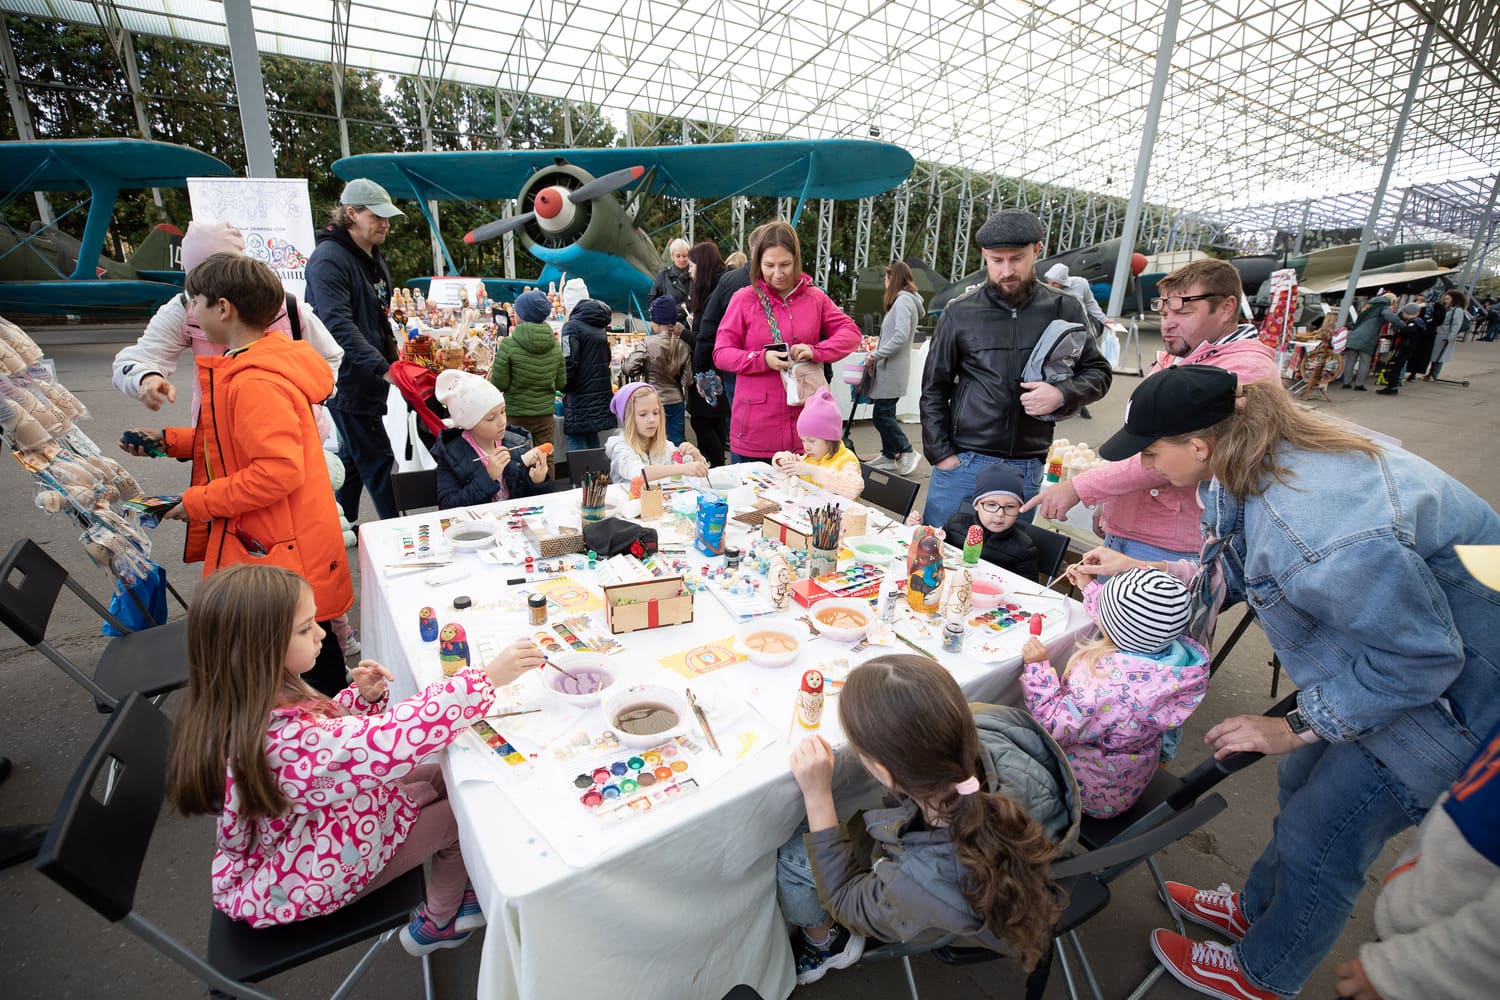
(1051, 549)
(888, 491)
(152, 661)
(1084, 879)
(414, 490)
(96, 850)
(586, 460)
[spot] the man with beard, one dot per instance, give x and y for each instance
(1143, 515)
(349, 287)
(975, 409)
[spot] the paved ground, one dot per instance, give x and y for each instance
(56, 948)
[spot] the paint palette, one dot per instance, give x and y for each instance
(855, 578)
(634, 783)
(1001, 618)
(424, 544)
(503, 747)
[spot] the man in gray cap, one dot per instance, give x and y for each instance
(975, 408)
(349, 287)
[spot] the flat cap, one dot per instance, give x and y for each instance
(1010, 227)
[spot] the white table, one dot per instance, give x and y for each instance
(686, 906)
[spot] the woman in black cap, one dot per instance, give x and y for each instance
(1394, 647)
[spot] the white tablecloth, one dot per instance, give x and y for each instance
(685, 904)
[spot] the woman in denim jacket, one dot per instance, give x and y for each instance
(1394, 647)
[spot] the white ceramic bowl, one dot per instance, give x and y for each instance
(622, 700)
(587, 666)
(794, 634)
(987, 593)
(874, 549)
(470, 536)
(843, 628)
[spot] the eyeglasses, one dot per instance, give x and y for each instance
(996, 507)
(1174, 303)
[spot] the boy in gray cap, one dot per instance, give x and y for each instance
(975, 409)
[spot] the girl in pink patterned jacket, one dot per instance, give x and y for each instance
(1122, 691)
(322, 799)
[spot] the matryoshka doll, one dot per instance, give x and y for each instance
(453, 648)
(810, 700)
(924, 570)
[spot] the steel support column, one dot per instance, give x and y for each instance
(900, 208)
(823, 255)
(1471, 267)
(862, 241)
(933, 224)
(340, 68)
(737, 212)
(1143, 157)
(1302, 226)
(124, 48)
(1385, 174)
(960, 265)
(249, 89)
(19, 110)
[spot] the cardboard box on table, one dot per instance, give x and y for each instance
(780, 528)
(630, 607)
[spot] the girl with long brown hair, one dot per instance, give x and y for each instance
(319, 800)
(892, 357)
(986, 802)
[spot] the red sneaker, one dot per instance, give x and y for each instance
(1205, 966)
(1218, 909)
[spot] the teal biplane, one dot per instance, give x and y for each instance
(570, 219)
(46, 271)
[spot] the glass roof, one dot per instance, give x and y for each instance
(1269, 101)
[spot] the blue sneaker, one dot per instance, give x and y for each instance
(470, 916)
(423, 937)
(841, 950)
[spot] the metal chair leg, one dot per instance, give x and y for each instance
(1062, 960)
(1083, 960)
(911, 980)
(428, 986)
(1146, 984)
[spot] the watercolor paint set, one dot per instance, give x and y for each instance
(502, 747)
(627, 784)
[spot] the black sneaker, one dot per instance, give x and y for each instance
(841, 950)
(1389, 390)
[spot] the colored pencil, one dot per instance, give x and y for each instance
(913, 645)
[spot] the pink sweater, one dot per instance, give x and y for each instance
(1139, 503)
(1109, 719)
(346, 815)
(761, 423)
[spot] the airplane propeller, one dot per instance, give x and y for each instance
(554, 205)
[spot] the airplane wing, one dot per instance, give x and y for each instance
(1379, 277)
(79, 164)
(812, 169)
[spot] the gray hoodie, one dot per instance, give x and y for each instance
(903, 881)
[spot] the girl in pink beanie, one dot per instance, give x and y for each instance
(825, 461)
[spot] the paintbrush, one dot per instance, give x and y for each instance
(703, 722)
(486, 458)
(913, 645)
(506, 715)
(561, 670)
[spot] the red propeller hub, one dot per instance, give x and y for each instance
(549, 201)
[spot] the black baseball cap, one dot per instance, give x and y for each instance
(1174, 401)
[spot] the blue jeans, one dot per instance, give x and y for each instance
(1338, 808)
(365, 449)
(676, 423)
(796, 889)
(582, 442)
(1144, 550)
(948, 489)
(893, 439)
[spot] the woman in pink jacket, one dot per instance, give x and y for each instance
(319, 800)
(780, 300)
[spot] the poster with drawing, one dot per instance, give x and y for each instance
(274, 214)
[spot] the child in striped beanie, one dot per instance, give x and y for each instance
(1122, 691)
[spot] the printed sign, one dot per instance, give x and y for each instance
(274, 214)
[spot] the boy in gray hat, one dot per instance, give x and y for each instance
(975, 409)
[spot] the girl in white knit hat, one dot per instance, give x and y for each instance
(481, 458)
(1122, 691)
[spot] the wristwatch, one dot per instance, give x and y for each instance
(1300, 727)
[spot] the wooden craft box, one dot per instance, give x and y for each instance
(550, 544)
(779, 528)
(630, 607)
(756, 516)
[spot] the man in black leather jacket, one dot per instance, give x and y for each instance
(975, 409)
